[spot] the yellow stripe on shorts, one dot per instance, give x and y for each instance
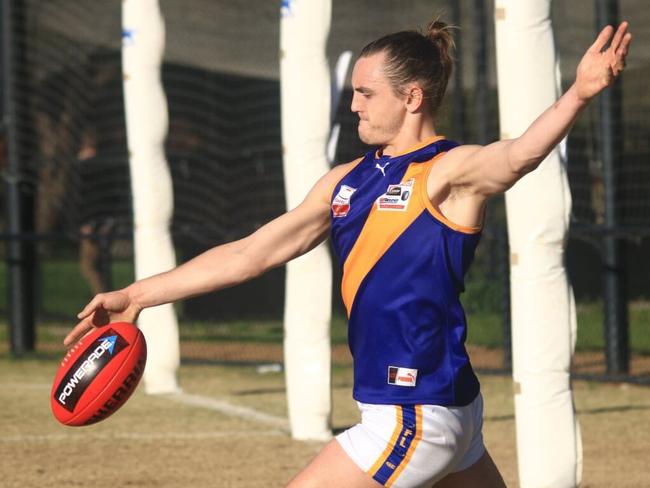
(412, 447)
(389, 448)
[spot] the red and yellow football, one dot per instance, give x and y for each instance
(98, 374)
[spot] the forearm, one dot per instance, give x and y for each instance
(213, 270)
(275, 243)
(527, 151)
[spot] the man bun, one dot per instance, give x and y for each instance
(440, 34)
(416, 56)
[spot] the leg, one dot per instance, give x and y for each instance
(482, 474)
(89, 260)
(332, 467)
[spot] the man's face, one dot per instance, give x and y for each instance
(381, 112)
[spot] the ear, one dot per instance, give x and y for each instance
(414, 98)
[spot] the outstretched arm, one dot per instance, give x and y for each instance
(279, 241)
(496, 167)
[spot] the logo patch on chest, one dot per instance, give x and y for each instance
(341, 202)
(402, 376)
(397, 197)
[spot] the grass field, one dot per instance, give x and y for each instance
(64, 292)
(161, 441)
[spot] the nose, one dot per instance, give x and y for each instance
(355, 106)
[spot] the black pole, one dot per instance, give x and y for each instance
(20, 253)
(458, 111)
(480, 57)
(611, 152)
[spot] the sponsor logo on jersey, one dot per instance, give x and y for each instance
(89, 364)
(397, 197)
(402, 376)
(341, 202)
(382, 168)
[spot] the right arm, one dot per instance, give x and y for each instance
(284, 238)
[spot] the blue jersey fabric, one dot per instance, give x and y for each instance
(403, 272)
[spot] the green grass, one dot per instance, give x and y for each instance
(64, 292)
(251, 330)
(62, 288)
(486, 329)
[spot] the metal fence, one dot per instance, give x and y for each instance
(65, 165)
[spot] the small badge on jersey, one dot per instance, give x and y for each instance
(341, 202)
(397, 197)
(402, 376)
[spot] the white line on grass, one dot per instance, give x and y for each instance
(229, 409)
(209, 403)
(136, 436)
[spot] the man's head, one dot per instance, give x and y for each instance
(400, 74)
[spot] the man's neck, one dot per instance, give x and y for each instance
(414, 132)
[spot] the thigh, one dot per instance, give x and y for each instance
(332, 467)
(482, 474)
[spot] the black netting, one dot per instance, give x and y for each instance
(224, 149)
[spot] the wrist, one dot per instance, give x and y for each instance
(134, 294)
(576, 97)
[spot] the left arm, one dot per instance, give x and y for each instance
(496, 167)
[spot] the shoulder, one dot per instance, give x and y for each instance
(336, 174)
(324, 187)
(341, 170)
(459, 154)
(455, 161)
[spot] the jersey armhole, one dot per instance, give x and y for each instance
(437, 214)
(353, 164)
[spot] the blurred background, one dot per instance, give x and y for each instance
(64, 161)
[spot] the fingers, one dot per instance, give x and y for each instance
(606, 34)
(602, 39)
(620, 54)
(93, 315)
(624, 48)
(101, 310)
(93, 305)
(80, 330)
(619, 36)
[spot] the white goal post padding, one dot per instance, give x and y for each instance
(143, 39)
(538, 209)
(305, 93)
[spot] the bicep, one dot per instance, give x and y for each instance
(288, 236)
(297, 231)
(486, 170)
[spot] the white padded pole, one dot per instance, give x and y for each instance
(538, 207)
(305, 92)
(143, 36)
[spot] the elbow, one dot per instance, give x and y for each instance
(523, 162)
(522, 168)
(251, 267)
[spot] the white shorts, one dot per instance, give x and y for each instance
(408, 446)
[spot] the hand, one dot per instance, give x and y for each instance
(115, 306)
(599, 67)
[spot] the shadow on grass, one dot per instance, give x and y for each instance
(589, 411)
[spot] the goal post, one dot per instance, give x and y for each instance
(538, 209)
(143, 40)
(305, 100)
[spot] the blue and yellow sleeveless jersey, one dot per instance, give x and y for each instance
(403, 271)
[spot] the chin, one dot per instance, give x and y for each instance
(369, 139)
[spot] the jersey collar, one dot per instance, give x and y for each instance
(419, 145)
